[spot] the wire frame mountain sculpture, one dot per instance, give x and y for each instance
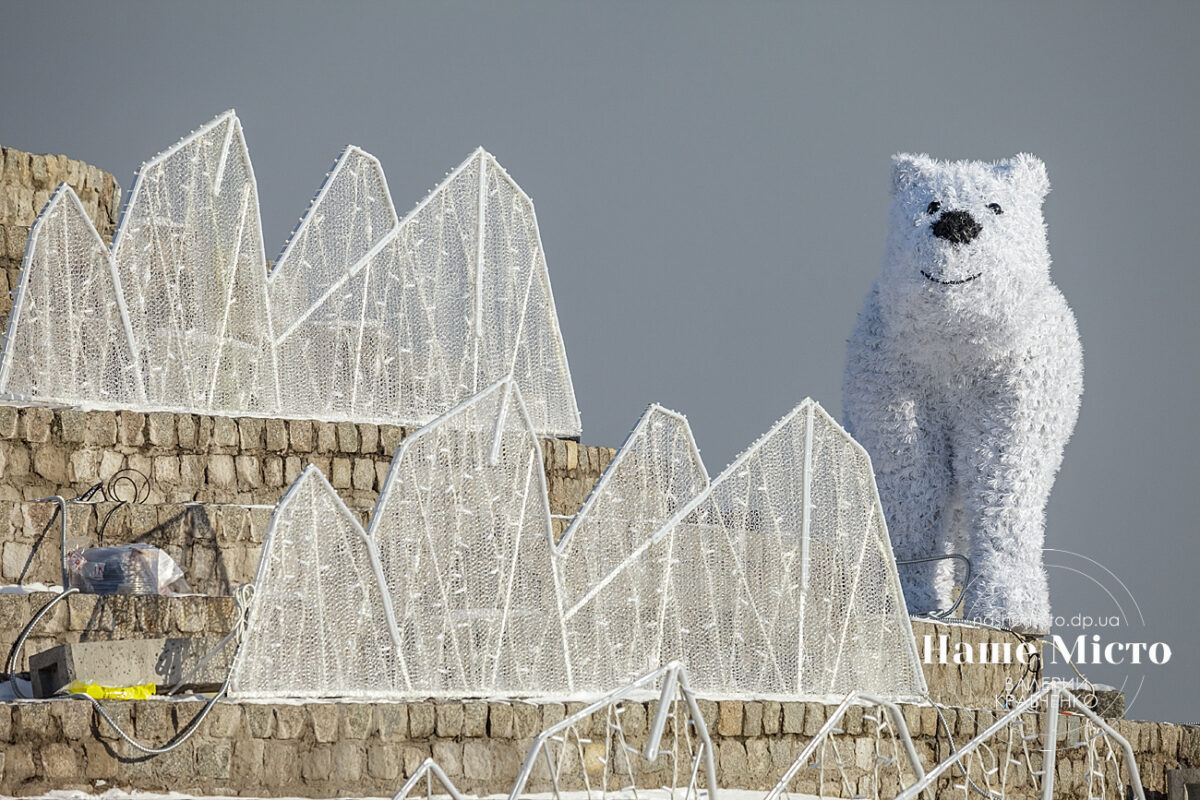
(68, 335)
(1024, 753)
(613, 599)
(451, 590)
(778, 578)
(464, 539)
(775, 579)
(320, 619)
(366, 317)
(828, 761)
(592, 749)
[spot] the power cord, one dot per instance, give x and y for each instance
(14, 653)
(966, 582)
(109, 491)
(242, 597)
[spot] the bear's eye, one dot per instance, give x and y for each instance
(933, 207)
(995, 208)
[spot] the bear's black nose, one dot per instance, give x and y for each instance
(958, 227)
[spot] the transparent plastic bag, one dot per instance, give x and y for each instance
(124, 569)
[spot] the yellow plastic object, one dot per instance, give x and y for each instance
(111, 692)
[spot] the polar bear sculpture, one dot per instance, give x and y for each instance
(963, 378)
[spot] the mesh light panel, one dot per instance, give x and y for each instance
(69, 318)
(319, 624)
(463, 532)
(775, 579)
(610, 573)
(782, 579)
(189, 252)
(366, 317)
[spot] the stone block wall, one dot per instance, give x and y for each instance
(213, 459)
(216, 545)
(26, 183)
(212, 483)
(323, 749)
(973, 685)
(104, 618)
(95, 618)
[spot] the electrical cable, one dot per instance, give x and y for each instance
(180, 737)
(242, 598)
(966, 582)
(14, 653)
(954, 749)
(108, 491)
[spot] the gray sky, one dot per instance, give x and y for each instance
(711, 187)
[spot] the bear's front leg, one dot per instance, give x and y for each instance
(1007, 452)
(910, 455)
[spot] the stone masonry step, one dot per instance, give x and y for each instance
(217, 545)
(324, 749)
(103, 618)
(228, 460)
(26, 183)
(165, 663)
(88, 618)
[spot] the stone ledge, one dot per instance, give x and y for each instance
(217, 546)
(209, 504)
(234, 460)
(27, 180)
(973, 685)
(318, 749)
(26, 183)
(102, 618)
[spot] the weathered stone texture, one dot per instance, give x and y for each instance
(197, 472)
(316, 749)
(26, 183)
(83, 618)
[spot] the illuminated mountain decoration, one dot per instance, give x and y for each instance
(777, 578)
(366, 317)
(318, 589)
(614, 600)
(774, 579)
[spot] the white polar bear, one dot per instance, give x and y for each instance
(963, 378)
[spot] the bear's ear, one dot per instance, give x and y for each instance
(906, 171)
(1029, 172)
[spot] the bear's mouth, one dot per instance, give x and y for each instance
(950, 283)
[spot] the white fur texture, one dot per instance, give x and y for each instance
(963, 383)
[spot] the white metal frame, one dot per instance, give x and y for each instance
(271, 396)
(895, 721)
(429, 769)
(511, 404)
(1054, 694)
(432, 523)
(674, 680)
(63, 194)
(615, 464)
(255, 618)
(806, 412)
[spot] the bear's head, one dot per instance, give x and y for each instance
(967, 243)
